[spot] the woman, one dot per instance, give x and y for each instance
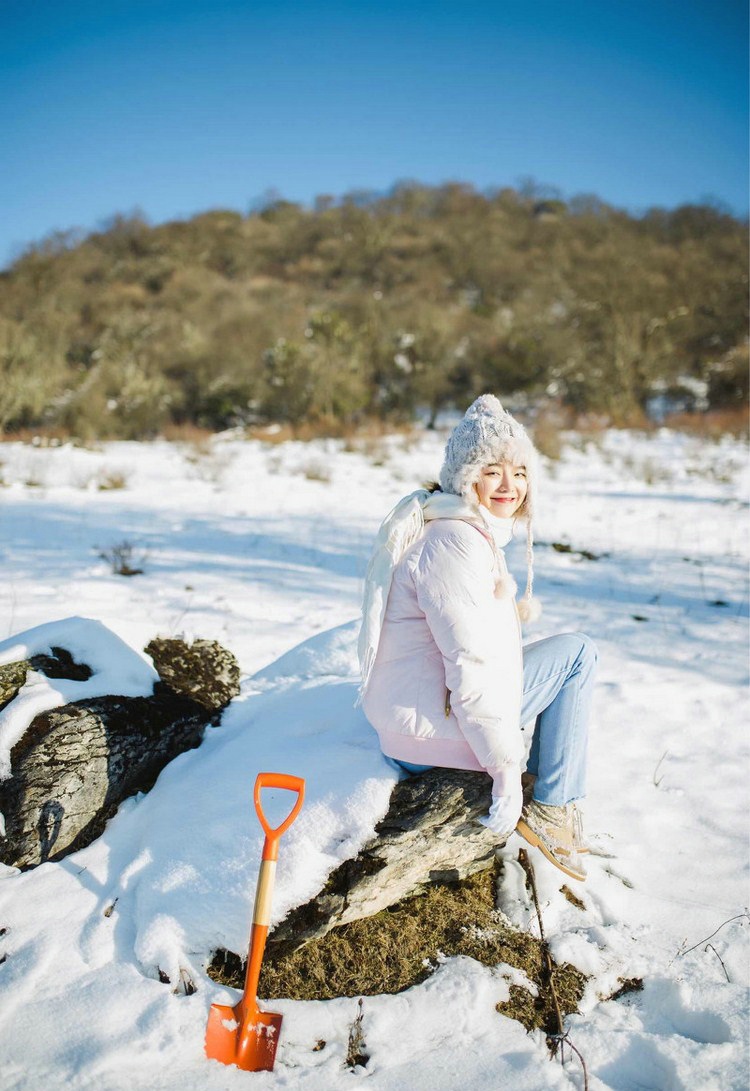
(445, 680)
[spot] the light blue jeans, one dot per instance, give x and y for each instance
(558, 680)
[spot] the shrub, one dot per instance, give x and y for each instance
(124, 558)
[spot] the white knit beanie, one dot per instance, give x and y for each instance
(488, 433)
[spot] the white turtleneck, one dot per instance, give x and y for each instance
(501, 529)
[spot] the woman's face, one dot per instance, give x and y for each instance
(502, 488)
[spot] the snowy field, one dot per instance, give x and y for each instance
(263, 547)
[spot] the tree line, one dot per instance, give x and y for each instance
(374, 305)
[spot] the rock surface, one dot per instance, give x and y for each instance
(203, 670)
(429, 835)
(75, 764)
(12, 678)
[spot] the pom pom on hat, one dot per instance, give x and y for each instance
(529, 609)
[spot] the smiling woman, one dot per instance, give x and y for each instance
(445, 679)
(502, 488)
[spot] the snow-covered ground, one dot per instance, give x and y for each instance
(263, 547)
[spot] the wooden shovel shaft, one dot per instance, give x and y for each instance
(259, 931)
(264, 892)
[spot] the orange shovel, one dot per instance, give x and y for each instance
(244, 1035)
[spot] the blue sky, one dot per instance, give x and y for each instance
(174, 108)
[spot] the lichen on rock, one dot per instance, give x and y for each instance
(204, 670)
(12, 678)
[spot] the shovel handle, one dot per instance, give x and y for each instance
(273, 833)
(266, 877)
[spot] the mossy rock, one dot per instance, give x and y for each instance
(12, 678)
(401, 946)
(204, 670)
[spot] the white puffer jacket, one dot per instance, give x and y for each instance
(446, 685)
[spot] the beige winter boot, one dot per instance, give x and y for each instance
(557, 832)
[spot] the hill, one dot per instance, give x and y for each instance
(373, 306)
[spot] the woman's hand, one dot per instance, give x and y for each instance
(507, 800)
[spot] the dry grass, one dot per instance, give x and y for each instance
(190, 434)
(712, 424)
(553, 422)
(109, 480)
(40, 437)
(400, 947)
(354, 435)
(355, 1053)
(572, 898)
(626, 985)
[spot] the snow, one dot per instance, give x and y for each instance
(263, 547)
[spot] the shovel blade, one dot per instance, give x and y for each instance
(246, 1038)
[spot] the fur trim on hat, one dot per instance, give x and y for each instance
(486, 434)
